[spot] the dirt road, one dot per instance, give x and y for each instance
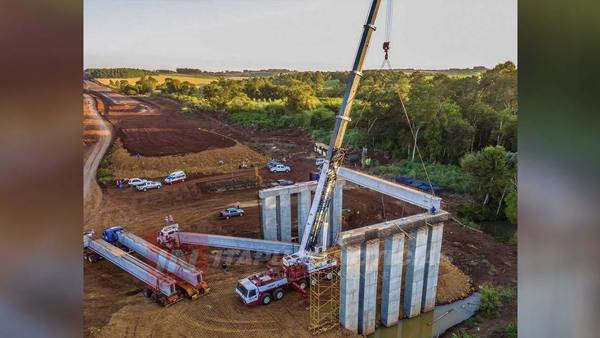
(103, 133)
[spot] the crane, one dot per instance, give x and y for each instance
(263, 287)
(335, 153)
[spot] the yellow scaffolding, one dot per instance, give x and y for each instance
(324, 300)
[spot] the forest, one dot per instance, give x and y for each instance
(464, 127)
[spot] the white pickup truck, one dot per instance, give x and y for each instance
(280, 168)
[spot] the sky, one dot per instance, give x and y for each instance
(295, 34)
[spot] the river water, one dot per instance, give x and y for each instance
(433, 323)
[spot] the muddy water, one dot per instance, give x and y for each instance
(433, 323)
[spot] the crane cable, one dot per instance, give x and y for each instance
(388, 33)
(386, 60)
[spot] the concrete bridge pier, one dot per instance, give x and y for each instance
(432, 265)
(367, 306)
(415, 271)
(269, 217)
(392, 279)
(350, 286)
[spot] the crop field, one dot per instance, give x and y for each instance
(197, 80)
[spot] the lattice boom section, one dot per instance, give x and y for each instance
(324, 298)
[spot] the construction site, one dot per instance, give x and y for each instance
(232, 250)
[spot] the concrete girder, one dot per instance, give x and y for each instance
(409, 195)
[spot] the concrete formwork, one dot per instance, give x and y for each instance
(392, 279)
(350, 286)
(415, 271)
(432, 265)
(367, 306)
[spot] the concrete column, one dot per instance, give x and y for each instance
(269, 218)
(304, 202)
(392, 279)
(432, 265)
(336, 212)
(349, 287)
(367, 306)
(415, 271)
(285, 217)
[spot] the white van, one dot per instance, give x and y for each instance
(175, 177)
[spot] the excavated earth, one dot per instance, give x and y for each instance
(113, 300)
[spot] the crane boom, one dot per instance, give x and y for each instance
(335, 153)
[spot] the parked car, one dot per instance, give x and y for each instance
(136, 181)
(280, 168)
(175, 177)
(148, 185)
(284, 182)
(319, 162)
(231, 212)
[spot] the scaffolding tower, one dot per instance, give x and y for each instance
(324, 299)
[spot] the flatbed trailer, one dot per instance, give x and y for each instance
(160, 287)
(187, 277)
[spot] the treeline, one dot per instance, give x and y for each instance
(233, 73)
(117, 72)
(449, 116)
(113, 73)
(465, 126)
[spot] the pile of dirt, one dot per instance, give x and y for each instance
(171, 141)
(125, 165)
(453, 284)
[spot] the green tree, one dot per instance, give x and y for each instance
(493, 170)
(511, 207)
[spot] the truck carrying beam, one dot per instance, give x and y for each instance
(140, 270)
(170, 236)
(162, 259)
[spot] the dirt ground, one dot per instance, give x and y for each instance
(113, 300)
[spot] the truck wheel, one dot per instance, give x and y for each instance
(242, 214)
(287, 170)
(266, 299)
(303, 284)
(279, 294)
(147, 293)
(145, 189)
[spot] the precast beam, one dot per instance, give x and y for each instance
(389, 228)
(409, 195)
(288, 189)
(239, 243)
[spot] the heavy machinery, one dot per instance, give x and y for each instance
(158, 286)
(307, 259)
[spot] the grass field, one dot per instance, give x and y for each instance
(197, 80)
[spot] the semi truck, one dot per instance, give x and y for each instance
(158, 286)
